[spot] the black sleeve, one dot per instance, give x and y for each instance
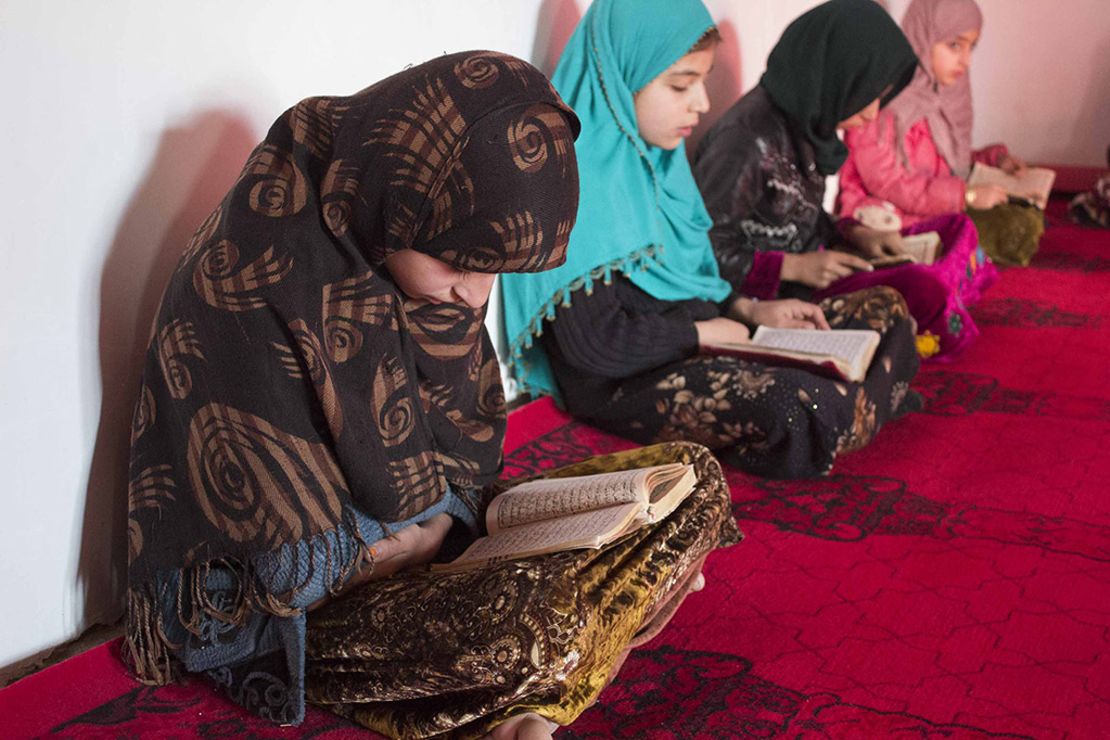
(618, 331)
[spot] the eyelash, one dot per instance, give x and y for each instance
(679, 89)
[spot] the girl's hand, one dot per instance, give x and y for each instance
(821, 269)
(721, 330)
(872, 243)
(1012, 165)
(785, 314)
(985, 197)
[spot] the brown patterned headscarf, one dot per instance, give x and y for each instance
(288, 379)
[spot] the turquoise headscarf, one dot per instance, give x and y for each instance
(640, 212)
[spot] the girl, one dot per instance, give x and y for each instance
(917, 155)
(762, 171)
(615, 332)
(321, 406)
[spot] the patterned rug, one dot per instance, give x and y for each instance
(951, 580)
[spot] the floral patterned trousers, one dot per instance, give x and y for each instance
(775, 421)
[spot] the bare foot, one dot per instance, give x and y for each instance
(528, 726)
(414, 545)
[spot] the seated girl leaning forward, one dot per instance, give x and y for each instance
(321, 403)
(915, 158)
(762, 170)
(615, 332)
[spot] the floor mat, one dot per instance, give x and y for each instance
(951, 580)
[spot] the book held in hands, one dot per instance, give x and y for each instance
(1032, 184)
(584, 512)
(917, 249)
(841, 354)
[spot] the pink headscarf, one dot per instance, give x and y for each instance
(948, 109)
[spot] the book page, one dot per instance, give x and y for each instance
(1034, 183)
(585, 529)
(846, 344)
(548, 498)
(670, 490)
(922, 247)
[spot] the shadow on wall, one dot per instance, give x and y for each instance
(556, 22)
(193, 168)
(1092, 120)
(723, 83)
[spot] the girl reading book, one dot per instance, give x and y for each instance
(321, 408)
(916, 156)
(615, 332)
(762, 171)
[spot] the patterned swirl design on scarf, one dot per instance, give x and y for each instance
(305, 359)
(478, 71)
(221, 286)
(393, 407)
(338, 194)
(177, 340)
(279, 188)
(257, 483)
(146, 413)
(203, 234)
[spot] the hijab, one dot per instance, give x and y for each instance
(830, 63)
(948, 109)
(640, 212)
(288, 379)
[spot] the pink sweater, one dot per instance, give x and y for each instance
(874, 172)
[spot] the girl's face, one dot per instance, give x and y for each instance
(668, 107)
(868, 114)
(952, 58)
(423, 277)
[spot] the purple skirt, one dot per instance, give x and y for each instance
(939, 294)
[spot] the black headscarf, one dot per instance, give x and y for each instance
(288, 379)
(830, 63)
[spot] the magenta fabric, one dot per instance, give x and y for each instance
(763, 279)
(938, 295)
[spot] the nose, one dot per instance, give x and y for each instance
(700, 102)
(475, 290)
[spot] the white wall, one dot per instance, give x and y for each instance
(125, 122)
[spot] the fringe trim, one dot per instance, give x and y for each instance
(148, 650)
(518, 366)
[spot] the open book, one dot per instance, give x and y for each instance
(843, 354)
(1032, 184)
(921, 249)
(555, 514)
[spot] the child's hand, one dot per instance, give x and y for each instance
(985, 197)
(785, 314)
(821, 269)
(871, 243)
(721, 331)
(1012, 165)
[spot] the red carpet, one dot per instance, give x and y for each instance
(951, 580)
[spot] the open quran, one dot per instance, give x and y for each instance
(842, 354)
(549, 515)
(1032, 184)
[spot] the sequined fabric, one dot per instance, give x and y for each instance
(434, 654)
